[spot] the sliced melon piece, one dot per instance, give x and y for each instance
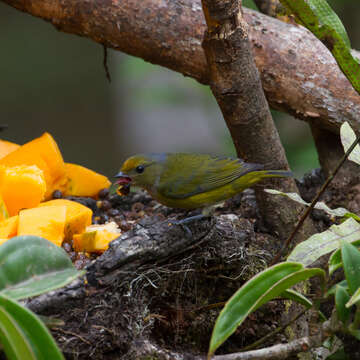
(47, 222)
(96, 238)
(78, 216)
(83, 181)
(6, 147)
(8, 227)
(4, 214)
(42, 152)
(21, 187)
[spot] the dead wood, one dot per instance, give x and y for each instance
(154, 289)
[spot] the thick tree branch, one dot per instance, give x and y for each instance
(236, 85)
(298, 73)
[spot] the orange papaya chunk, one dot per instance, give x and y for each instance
(21, 187)
(42, 152)
(4, 214)
(96, 238)
(6, 147)
(78, 216)
(8, 227)
(48, 149)
(47, 222)
(83, 181)
(94, 241)
(23, 157)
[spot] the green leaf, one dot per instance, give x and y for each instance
(31, 265)
(351, 263)
(265, 286)
(332, 290)
(354, 299)
(322, 21)
(319, 205)
(348, 136)
(37, 335)
(15, 343)
(335, 260)
(323, 243)
(341, 298)
(293, 295)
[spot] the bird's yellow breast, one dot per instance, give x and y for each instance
(210, 197)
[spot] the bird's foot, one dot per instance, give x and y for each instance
(184, 222)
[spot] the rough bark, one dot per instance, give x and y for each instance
(298, 73)
(236, 85)
(152, 292)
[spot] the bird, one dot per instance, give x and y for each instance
(190, 180)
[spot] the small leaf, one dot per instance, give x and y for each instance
(332, 290)
(31, 265)
(348, 136)
(354, 299)
(15, 343)
(351, 263)
(265, 286)
(335, 260)
(323, 243)
(319, 205)
(341, 298)
(35, 332)
(293, 295)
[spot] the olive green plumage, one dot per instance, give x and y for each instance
(191, 181)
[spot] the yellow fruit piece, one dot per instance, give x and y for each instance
(78, 216)
(83, 181)
(6, 147)
(94, 241)
(42, 152)
(47, 222)
(21, 187)
(4, 214)
(8, 227)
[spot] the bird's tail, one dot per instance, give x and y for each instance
(275, 173)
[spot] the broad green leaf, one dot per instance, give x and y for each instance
(354, 299)
(288, 281)
(348, 136)
(31, 265)
(267, 285)
(37, 335)
(293, 295)
(341, 298)
(319, 205)
(351, 262)
(323, 243)
(13, 340)
(335, 260)
(332, 290)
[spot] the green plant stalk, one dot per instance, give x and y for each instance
(315, 200)
(257, 343)
(356, 323)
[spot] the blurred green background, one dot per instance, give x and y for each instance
(55, 82)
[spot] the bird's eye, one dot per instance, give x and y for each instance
(139, 169)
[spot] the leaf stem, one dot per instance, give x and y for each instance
(315, 200)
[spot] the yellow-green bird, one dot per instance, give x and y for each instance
(191, 181)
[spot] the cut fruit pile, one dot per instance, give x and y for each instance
(29, 177)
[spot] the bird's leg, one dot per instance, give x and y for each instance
(205, 213)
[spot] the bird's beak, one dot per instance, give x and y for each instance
(123, 179)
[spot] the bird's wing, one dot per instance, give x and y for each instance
(186, 175)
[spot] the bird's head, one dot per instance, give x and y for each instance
(141, 170)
